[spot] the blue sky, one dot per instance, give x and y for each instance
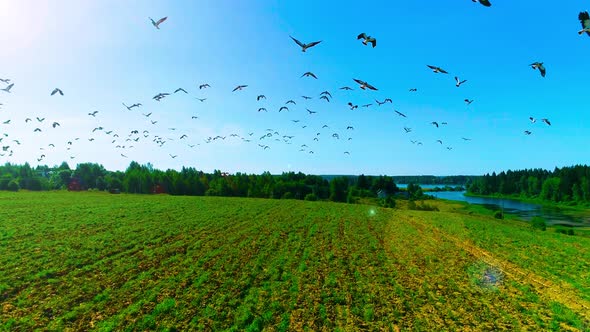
(105, 53)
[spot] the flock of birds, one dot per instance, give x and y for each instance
(8, 144)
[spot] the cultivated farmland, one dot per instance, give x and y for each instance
(83, 261)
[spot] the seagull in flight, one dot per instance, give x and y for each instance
(157, 23)
(546, 121)
(325, 97)
(204, 86)
(239, 87)
(40, 119)
(466, 139)
(533, 120)
(55, 124)
(352, 106)
(367, 39)
(468, 102)
(527, 132)
(539, 65)
(201, 99)
(93, 113)
(401, 114)
(306, 97)
(291, 101)
(5, 80)
(310, 112)
(57, 90)
(180, 89)
(7, 89)
(262, 109)
(309, 74)
(413, 90)
(437, 69)
(303, 46)
(364, 85)
(260, 97)
(346, 88)
(458, 84)
(326, 93)
(434, 123)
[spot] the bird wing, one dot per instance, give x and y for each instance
(297, 41)
(313, 43)
(432, 67)
(162, 20)
(369, 86)
(442, 71)
(585, 20)
(373, 41)
(542, 70)
(362, 36)
(486, 3)
(53, 92)
(359, 81)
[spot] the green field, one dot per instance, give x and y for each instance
(83, 261)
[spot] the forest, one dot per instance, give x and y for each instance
(567, 184)
(144, 179)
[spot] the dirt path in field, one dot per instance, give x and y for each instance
(561, 292)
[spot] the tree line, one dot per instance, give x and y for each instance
(144, 179)
(567, 184)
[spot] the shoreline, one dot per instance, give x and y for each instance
(538, 201)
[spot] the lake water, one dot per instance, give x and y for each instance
(526, 211)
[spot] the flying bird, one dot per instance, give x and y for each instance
(7, 89)
(203, 86)
(262, 109)
(260, 97)
(283, 108)
(93, 113)
(413, 90)
(239, 87)
(546, 121)
(57, 90)
(325, 97)
(309, 74)
(401, 114)
(367, 105)
(310, 112)
(40, 119)
(291, 101)
(468, 102)
(180, 89)
(201, 99)
(439, 141)
(55, 124)
(326, 93)
(157, 23)
(303, 46)
(367, 39)
(539, 65)
(533, 120)
(458, 82)
(5, 80)
(434, 123)
(364, 85)
(486, 3)
(466, 139)
(346, 88)
(306, 97)
(352, 106)
(527, 132)
(585, 20)
(437, 69)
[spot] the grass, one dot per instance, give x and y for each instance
(94, 261)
